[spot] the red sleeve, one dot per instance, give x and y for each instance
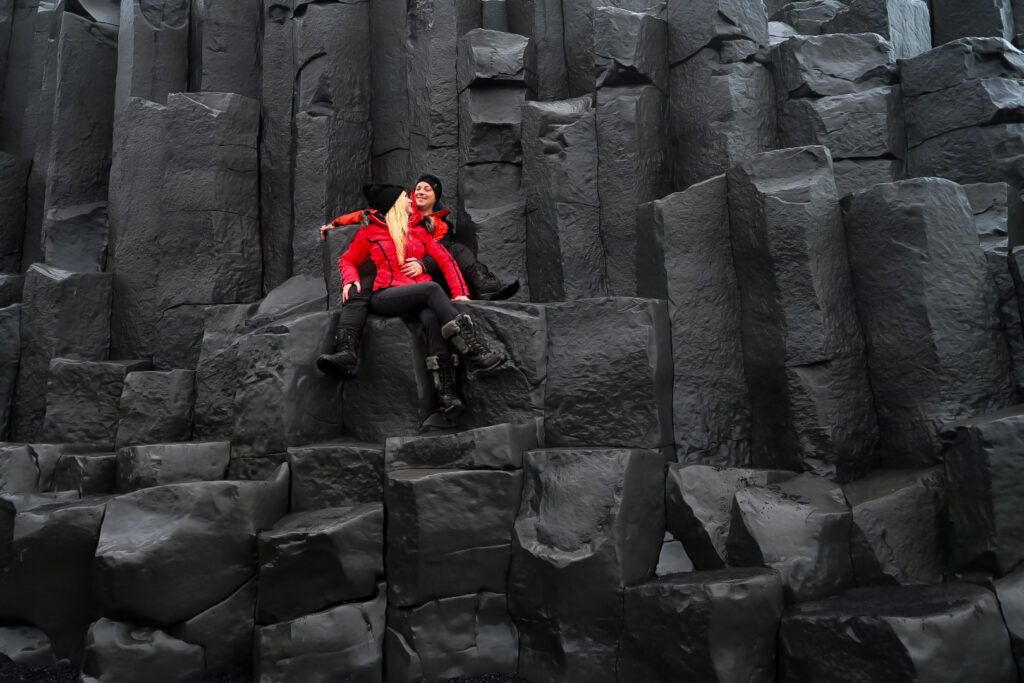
(354, 257)
(449, 267)
(348, 218)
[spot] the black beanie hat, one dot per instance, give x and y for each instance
(382, 197)
(434, 182)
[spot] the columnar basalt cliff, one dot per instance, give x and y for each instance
(760, 420)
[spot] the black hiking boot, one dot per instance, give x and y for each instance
(485, 285)
(443, 371)
(462, 334)
(344, 362)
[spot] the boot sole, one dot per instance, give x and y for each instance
(332, 370)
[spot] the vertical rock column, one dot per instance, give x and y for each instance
(802, 346)
(954, 19)
(926, 305)
(224, 46)
(389, 105)
(152, 50)
(13, 177)
(904, 23)
(10, 356)
(493, 72)
(721, 97)
(542, 22)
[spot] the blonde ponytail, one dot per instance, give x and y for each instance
(397, 219)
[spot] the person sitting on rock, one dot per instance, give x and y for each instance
(394, 236)
(483, 284)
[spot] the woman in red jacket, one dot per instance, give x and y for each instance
(391, 238)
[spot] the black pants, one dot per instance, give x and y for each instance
(426, 299)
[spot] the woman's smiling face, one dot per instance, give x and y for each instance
(424, 195)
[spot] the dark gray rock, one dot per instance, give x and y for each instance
(86, 474)
(32, 29)
(218, 370)
(898, 519)
(904, 23)
(805, 17)
(312, 560)
(155, 541)
(855, 125)
(985, 473)
(698, 505)
(986, 154)
(493, 216)
(256, 467)
(486, 56)
(334, 246)
(608, 347)
(18, 470)
(152, 50)
(346, 640)
(800, 528)
(857, 174)
(26, 645)
(587, 527)
(839, 64)
(673, 558)
(83, 400)
(47, 456)
(683, 255)
(633, 168)
(389, 105)
(467, 635)
(225, 632)
(676, 627)
(954, 19)
(630, 47)
(696, 25)
(13, 179)
(935, 348)
(118, 652)
(140, 467)
(542, 22)
(46, 574)
(392, 355)
(282, 399)
(1010, 593)
(335, 474)
(10, 356)
(489, 123)
(224, 43)
(722, 112)
(976, 102)
(588, 38)
(488, 448)
(64, 314)
(892, 634)
(449, 532)
(560, 163)
(156, 407)
(494, 15)
(958, 61)
(76, 238)
(11, 287)
(811, 403)
(295, 296)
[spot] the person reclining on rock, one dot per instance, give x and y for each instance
(394, 235)
(344, 361)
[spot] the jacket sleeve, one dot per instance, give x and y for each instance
(441, 235)
(449, 267)
(348, 218)
(354, 257)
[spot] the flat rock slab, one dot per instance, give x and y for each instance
(156, 407)
(119, 651)
(489, 448)
(140, 467)
(466, 635)
(709, 626)
(609, 347)
(449, 532)
(801, 529)
(335, 474)
(893, 634)
(312, 560)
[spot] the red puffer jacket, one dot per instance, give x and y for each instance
(374, 241)
(440, 226)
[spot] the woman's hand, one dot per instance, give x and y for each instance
(323, 231)
(413, 269)
(344, 290)
(461, 298)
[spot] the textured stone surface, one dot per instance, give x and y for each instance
(335, 474)
(892, 634)
(1010, 593)
(449, 532)
(854, 125)
(858, 174)
(694, 25)
(489, 448)
(87, 474)
(18, 470)
(630, 47)
(975, 102)
(542, 21)
(586, 364)
(13, 177)
(833, 64)
(800, 528)
(955, 19)
(684, 256)
(119, 651)
(467, 635)
(26, 645)
(587, 527)
(488, 56)
(207, 528)
(935, 353)
(225, 632)
(904, 23)
(223, 43)
(493, 216)
(695, 625)
(811, 404)
(152, 50)
(140, 467)
(218, 370)
(156, 407)
(960, 60)
(11, 287)
(76, 238)
(985, 154)
(10, 357)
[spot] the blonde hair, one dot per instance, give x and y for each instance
(397, 219)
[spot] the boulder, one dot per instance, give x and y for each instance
(839, 64)
(156, 407)
(958, 61)
(978, 154)
(119, 652)
(335, 474)
(978, 102)
(854, 125)
(26, 645)
(488, 56)
(489, 448)
(140, 467)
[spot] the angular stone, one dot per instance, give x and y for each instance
(1010, 593)
(673, 558)
(224, 40)
(489, 123)
(88, 475)
(683, 256)
(897, 534)
(857, 174)
(608, 347)
(256, 467)
(708, 626)
(985, 473)
(76, 237)
(698, 503)
(904, 23)
(493, 216)
(152, 50)
(633, 168)
(837, 64)
(695, 25)
(140, 467)
(283, 400)
(225, 632)
(467, 635)
(892, 634)
(83, 400)
(858, 125)
(803, 350)
(978, 102)
(722, 112)
(47, 456)
(489, 56)
(119, 651)
(218, 370)
(979, 154)
(449, 532)
(335, 474)
(64, 315)
(10, 359)
(630, 48)
(312, 560)
(156, 407)
(960, 60)
(18, 470)
(489, 448)
(800, 528)
(543, 23)
(587, 527)
(936, 352)
(954, 19)
(582, 43)
(11, 287)
(155, 541)
(347, 639)
(26, 645)
(13, 179)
